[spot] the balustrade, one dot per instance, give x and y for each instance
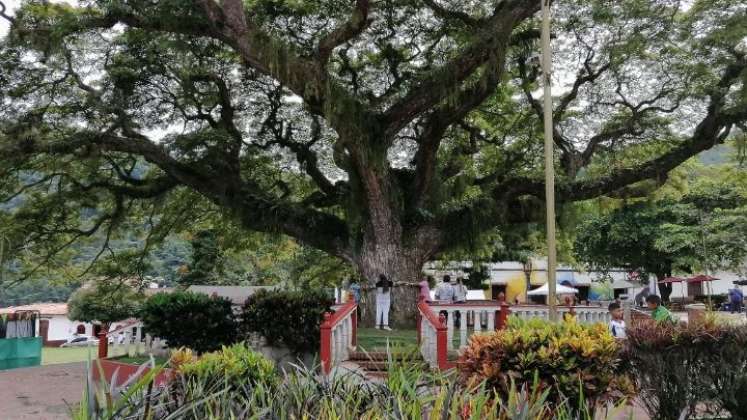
(473, 317)
(465, 319)
(126, 342)
(338, 335)
(432, 335)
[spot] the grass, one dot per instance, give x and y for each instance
(372, 339)
(139, 360)
(57, 355)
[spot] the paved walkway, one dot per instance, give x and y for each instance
(41, 393)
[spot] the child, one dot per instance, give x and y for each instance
(617, 324)
(660, 313)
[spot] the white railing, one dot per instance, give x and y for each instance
(338, 335)
(584, 314)
(478, 316)
(126, 342)
(432, 337)
(473, 317)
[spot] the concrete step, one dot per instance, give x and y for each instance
(382, 356)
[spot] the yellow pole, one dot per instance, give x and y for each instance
(549, 169)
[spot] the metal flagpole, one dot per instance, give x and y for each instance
(549, 169)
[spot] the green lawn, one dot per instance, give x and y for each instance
(372, 339)
(139, 360)
(56, 355)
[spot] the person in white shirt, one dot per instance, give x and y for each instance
(383, 302)
(617, 324)
(460, 291)
(445, 291)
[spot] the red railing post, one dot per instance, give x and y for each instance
(103, 345)
(503, 316)
(326, 344)
(442, 348)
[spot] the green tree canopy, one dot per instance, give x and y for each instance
(704, 229)
(206, 263)
(383, 133)
(107, 301)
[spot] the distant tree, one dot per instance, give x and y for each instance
(206, 262)
(626, 238)
(704, 229)
(35, 290)
(108, 301)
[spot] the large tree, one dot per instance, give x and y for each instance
(383, 132)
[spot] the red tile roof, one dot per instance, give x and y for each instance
(43, 308)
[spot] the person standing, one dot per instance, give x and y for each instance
(383, 302)
(445, 291)
(460, 291)
(460, 296)
(425, 290)
(735, 300)
(617, 323)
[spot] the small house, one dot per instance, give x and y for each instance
(53, 325)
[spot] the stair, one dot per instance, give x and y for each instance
(375, 364)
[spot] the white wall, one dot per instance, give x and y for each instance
(717, 287)
(61, 328)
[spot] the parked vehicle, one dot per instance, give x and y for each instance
(81, 341)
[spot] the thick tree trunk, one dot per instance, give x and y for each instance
(400, 263)
(401, 266)
(384, 245)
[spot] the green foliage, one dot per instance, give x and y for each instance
(626, 238)
(414, 119)
(290, 319)
(407, 393)
(702, 229)
(678, 366)
(570, 360)
(107, 301)
(35, 290)
(235, 367)
(206, 260)
(184, 319)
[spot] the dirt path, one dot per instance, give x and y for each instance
(41, 393)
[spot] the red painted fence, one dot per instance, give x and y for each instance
(338, 334)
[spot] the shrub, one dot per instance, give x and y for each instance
(236, 366)
(194, 320)
(676, 367)
(571, 361)
(286, 318)
(408, 393)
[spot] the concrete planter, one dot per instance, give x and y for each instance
(124, 372)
